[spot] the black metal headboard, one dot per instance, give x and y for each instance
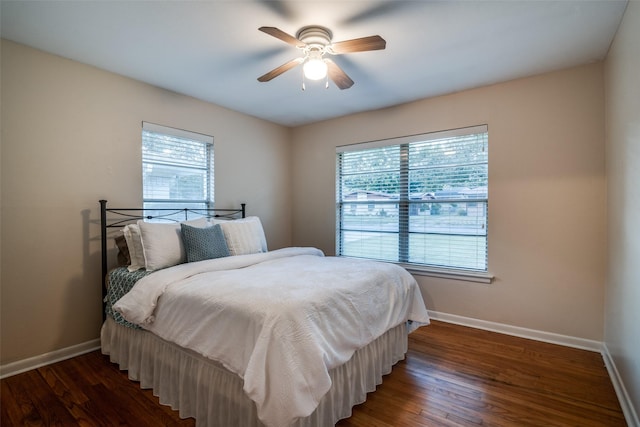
(120, 217)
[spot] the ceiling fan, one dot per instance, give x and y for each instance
(315, 42)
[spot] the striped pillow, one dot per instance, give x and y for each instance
(244, 236)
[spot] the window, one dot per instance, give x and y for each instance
(429, 195)
(177, 168)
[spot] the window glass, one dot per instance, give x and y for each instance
(177, 168)
(419, 200)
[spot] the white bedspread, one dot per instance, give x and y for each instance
(280, 320)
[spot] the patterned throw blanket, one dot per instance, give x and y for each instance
(119, 282)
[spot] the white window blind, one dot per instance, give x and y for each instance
(177, 168)
(420, 200)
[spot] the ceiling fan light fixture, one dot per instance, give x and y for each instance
(315, 41)
(314, 67)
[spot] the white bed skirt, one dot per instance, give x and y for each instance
(203, 389)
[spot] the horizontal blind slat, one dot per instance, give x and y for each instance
(446, 182)
(176, 168)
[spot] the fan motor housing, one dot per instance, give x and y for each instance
(314, 36)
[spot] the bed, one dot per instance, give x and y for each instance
(242, 335)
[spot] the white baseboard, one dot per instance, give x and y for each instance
(628, 410)
(35, 362)
(517, 331)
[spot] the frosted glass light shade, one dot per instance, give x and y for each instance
(315, 69)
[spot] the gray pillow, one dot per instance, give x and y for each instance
(204, 243)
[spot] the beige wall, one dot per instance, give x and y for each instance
(71, 135)
(622, 310)
(546, 189)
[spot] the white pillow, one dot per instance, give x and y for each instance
(244, 236)
(134, 244)
(162, 243)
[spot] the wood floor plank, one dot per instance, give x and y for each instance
(453, 376)
(463, 374)
(69, 394)
(10, 411)
(44, 407)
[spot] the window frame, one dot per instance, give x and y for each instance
(190, 137)
(404, 203)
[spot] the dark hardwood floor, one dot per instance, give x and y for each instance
(452, 376)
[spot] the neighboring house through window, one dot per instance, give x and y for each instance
(420, 201)
(177, 168)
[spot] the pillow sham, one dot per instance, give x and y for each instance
(134, 244)
(244, 236)
(162, 243)
(203, 243)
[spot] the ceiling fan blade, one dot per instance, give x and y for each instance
(359, 45)
(382, 10)
(281, 69)
(338, 76)
(279, 34)
(280, 7)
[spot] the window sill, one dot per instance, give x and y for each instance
(469, 276)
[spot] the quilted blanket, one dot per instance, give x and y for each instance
(280, 320)
(119, 282)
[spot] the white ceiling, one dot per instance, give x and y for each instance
(212, 50)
